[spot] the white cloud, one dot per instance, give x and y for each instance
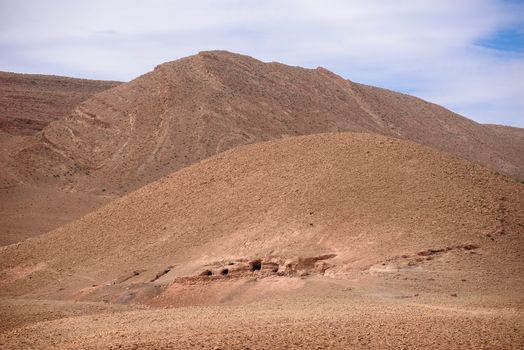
(425, 48)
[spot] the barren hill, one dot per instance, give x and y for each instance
(346, 232)
(361, 198)
(510, 134)
(29, 202)
(187, 110)
(29, 102)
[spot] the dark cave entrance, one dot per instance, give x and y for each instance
(255, 265)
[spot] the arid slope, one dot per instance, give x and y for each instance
(29, 102)
(187, 110)
(329, 241)
(32, 201)
(344, 202)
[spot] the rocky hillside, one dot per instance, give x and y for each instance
(187, 110)
(323, 205)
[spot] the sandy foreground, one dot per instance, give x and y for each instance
(350, 322)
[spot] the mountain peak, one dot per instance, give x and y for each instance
(192, 108)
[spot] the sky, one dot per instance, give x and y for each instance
(467, 55)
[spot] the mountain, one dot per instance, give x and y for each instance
(509, 134)
(29, 204)
(29, 102)
(187, 110)
(350, 232)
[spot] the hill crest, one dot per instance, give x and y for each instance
(187, 110)
(365, 203)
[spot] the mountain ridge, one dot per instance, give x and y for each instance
(219, 202)
(192, 108)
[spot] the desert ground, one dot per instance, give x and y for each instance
(220, 202)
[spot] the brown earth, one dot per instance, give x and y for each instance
(329, 241)
(345, 322)
(29, 102)
(30, 203)
(510, 134)
(187, 110)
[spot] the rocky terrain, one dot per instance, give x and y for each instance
(187, 110)
(375, 225)
(219, 202)
(30, 201)
(29, 102)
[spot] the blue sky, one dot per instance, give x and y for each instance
(467, 55)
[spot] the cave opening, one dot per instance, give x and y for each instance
(255, 265)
